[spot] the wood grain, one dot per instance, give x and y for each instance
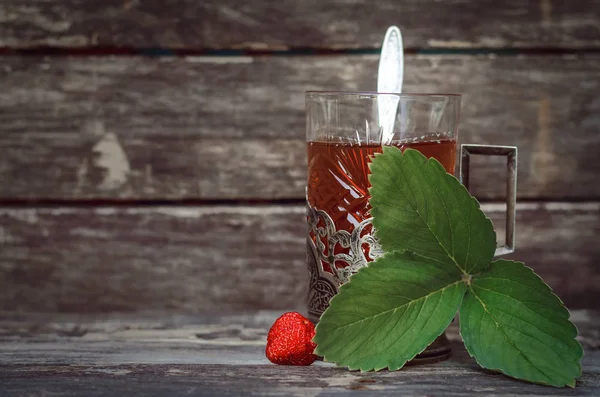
(201, 330)
(166, 355)
(115, 259)
(233, 127)
(201, 259)
(267, 25)
(178, 380)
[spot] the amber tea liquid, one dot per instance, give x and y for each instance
(338, 177)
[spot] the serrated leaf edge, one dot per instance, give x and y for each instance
(570, 384)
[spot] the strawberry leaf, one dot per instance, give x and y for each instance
(511, 321)
(419, 207)
(439, 247)
(389, 312)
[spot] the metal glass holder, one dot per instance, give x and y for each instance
(510, 152)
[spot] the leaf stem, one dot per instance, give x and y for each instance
(466, 278)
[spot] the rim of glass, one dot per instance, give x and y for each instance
(374, 93)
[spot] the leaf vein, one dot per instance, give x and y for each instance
(435, 188)
(528, 308)
(507, 338)
(398, 307)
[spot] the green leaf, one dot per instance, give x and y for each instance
(389, 312)
(419, 207)
(511, 321)
(439, 247)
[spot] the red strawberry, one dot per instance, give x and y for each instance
(290, 340)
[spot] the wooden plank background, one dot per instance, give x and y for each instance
(196, 258)
(158, 355)
(284, 24)
(233, 127)
(153, 157)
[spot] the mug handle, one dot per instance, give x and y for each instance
(511, 185)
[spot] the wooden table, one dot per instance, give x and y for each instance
(167, 355)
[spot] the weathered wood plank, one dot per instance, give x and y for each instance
(233, 128)
(166, 355)
(198, 259)
(288, 24)
(172, 380)
(450, 378)
(193, 259)
(166, 328)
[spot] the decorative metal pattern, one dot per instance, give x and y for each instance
(324, 284)
(321, 289)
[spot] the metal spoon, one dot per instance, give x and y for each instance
(389, 80)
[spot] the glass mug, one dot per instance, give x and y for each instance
(344, 129)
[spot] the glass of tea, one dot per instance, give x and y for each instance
(344, 129)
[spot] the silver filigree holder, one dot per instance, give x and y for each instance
(324, 285)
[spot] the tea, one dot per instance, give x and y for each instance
(338, 196)
(338, 176)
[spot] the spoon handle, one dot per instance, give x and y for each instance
(391, 63)
(389, 80)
